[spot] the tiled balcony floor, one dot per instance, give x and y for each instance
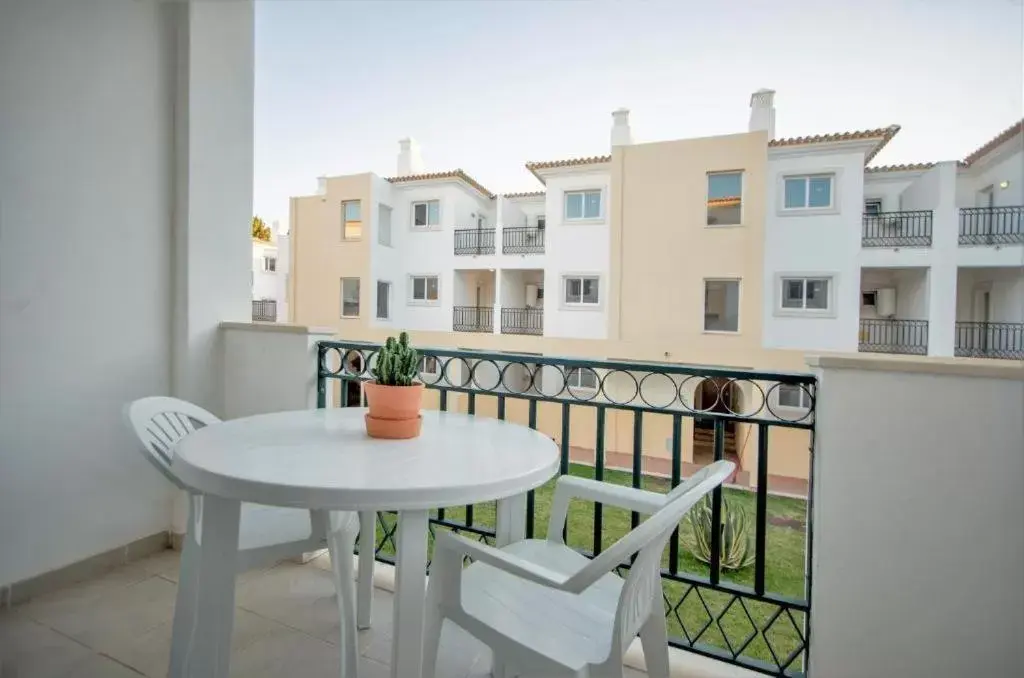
(286, 624)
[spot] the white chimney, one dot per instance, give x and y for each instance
(762, 111)
(621, 134)
(409, 160)
(321, 185)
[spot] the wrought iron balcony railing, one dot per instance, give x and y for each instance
(473, 319)
(991, 225)
(522, 320)
(522, 240)
(883, 335)
(264, 310)
(474, 241)
(989, 340)
(755, 616)
(897, 229)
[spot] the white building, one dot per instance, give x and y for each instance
(271, 261)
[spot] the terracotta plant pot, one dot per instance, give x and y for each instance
(394, 410)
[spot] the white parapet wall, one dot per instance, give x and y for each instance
(918, 510)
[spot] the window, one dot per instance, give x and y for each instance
(873, 207)
(541, 221)
(578, 377)
(384, 225)
(806, 294)
(721, 305)
(426, 214)
(270, 264)
(428, 364)
(582, 205)
(581, 290)
(868, 298)
(725, 191)
(424, 289)
(808, 192)
(383, 300)
(351, 220)
(793, 395)
(350, 297)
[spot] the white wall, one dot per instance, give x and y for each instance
(918, 546)
(1004, 164)
(911, 287)
(85, 273)
(386, 262)
(888, 187)
(572, 248)
(818, 244)
(1006, 288)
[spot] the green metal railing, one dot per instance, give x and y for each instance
(756, 616)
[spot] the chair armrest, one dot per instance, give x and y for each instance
(573, 487)
(453, 543)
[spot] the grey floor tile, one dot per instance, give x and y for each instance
(300, 596)
(288, 653)
(30, 650)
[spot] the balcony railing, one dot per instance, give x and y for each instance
(522, 321)
(991, 225)
(897, 229)
(264, 310)
(473, 319)
(755, 616)
(989, 340)
(474, 241)
(522, 240)
(894, 336)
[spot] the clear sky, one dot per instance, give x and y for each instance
(487, 85)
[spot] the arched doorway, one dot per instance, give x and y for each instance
(715, 395)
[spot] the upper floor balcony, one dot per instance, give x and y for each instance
(911, 228)
(264, 310)
(522, 240)
(474, 241)
(992, 225)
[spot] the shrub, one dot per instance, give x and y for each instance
(737, 550)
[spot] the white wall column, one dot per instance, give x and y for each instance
(497, 292)
(942, 274)
(213, 197)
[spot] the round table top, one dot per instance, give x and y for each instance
(323, 459)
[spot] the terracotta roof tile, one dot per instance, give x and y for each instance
(883, 134)
(724, 202)
(909, 167)
(451, 174)
(568, 162)
(528, 194)
(994, 143)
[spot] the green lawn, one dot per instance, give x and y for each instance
(784, 568)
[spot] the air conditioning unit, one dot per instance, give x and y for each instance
(885, 302)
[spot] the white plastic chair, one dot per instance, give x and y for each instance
(266, 534)
(546, 610)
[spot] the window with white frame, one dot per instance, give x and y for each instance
(384, 225)
(350, 297)
(423, 289)
(582, 290)
(812, 295)
(270, 264)
(581, 377)
(351, 220)
(383, 300)
(808, 192)
(426, 214)
(428, 364)
(725, 198)
(873, 206)
(582, 205)
(721, 305)
(795, 396)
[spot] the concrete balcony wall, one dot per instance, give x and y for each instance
(918, 547)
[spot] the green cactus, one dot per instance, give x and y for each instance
(737, 550)
(397, 362)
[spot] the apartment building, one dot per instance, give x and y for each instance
(741, 250)
(269, 279)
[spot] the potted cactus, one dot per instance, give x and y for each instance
(394, 396)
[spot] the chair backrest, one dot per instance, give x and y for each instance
(160, 422)
(648, 540)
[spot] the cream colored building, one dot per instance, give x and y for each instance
(655, 252)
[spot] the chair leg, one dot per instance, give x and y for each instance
(341, 543)
(654, 638)
(367, 547)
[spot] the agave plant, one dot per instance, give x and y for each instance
(397, 362)
(736, 539)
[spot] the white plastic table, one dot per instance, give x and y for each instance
(322, 459)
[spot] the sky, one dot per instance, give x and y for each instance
(487, 85)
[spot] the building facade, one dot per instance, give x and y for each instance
(742, 250)
(271, 261)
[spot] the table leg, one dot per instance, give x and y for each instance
(367, 546)
(205, 610)
(511, 520)
(410, 594)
